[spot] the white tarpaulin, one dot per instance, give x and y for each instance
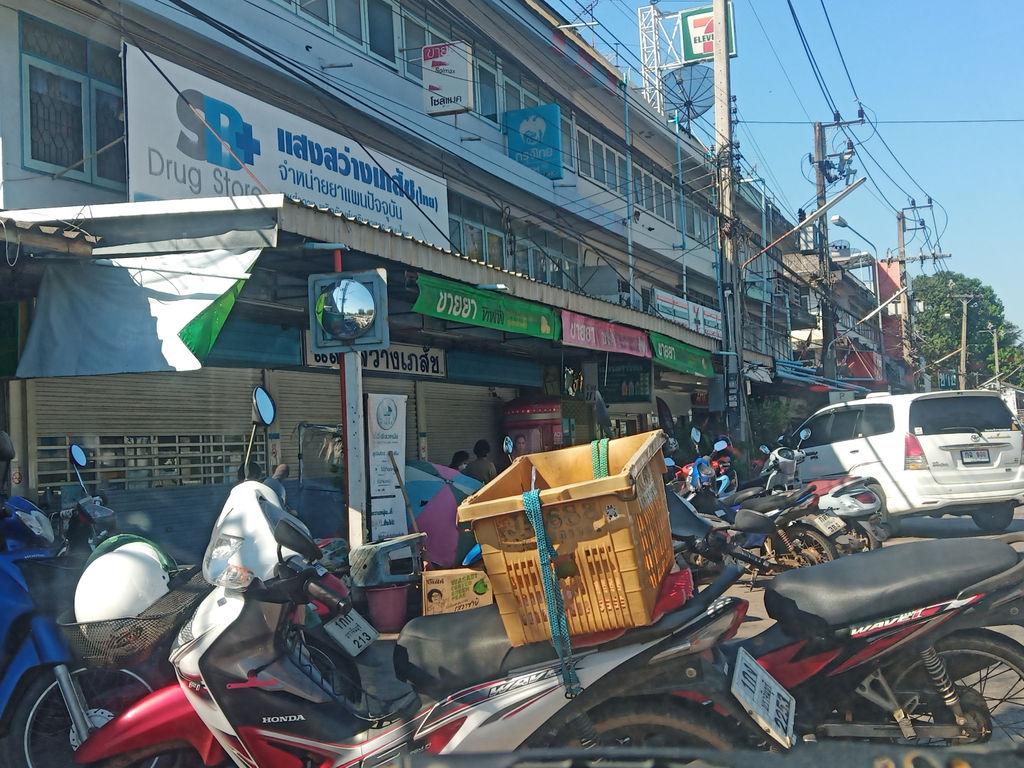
(155, 313)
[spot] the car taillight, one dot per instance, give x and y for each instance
(913, 454)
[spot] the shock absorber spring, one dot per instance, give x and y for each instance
(936, 669)
(784, 537)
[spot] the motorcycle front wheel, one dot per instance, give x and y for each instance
(987, 672)
(40, 734)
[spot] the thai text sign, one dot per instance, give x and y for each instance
(208, 140)
(535, 138)
(407, 359)
(447, 78)
(385, 438)
(448, 300)
(590, 333)
(681, 357)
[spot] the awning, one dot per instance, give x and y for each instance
(759, 374)
(680, 356)
(459, 303)
(137, 315)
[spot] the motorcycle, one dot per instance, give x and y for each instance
(42, 688)
(802, 536)
(893, 645)
(258, 688)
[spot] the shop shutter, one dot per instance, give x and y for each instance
(315, 397)
(460, 414)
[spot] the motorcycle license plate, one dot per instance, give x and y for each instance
(830, 525)
(976, 456)
(769, 704)
(352, 632)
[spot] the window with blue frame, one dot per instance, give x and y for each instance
(72, 105)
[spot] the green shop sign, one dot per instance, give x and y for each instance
(460, 303)
(681, 357)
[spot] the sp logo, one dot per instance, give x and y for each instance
(217, 134)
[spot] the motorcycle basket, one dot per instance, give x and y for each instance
(132, 640)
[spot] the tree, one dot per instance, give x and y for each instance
(938, 326)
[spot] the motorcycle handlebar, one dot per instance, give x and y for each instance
(742, 555)
(336, 603)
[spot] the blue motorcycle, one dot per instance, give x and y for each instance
(48, 703)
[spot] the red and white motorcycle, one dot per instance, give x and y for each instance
(258, 687)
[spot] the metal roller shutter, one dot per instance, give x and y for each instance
(315, 397)
(460, 414)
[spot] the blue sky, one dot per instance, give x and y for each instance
(909, 60)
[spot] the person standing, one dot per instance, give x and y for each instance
(481, 468)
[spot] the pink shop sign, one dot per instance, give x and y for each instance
(590, 333)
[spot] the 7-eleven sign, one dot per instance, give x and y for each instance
(698, 27)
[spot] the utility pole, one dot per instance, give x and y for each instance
(730, 273)
(995, 348)
(823, 167)
(828, 326)
(634, 294)
(965, 300)
(901, 230)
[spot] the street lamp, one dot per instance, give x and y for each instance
(839, 221)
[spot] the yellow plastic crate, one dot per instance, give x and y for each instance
(615, 531)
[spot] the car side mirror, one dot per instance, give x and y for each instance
(749, 521)
(289, 535)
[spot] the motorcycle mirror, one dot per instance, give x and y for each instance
(289, 535)
(78, 456)
(263, 408)
(695, 435)
(720, 446)
(508, 445)
(764, 449)
(749, 521)
(804, 434)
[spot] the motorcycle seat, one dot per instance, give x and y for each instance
(741, 496)
(775, 501)
(448, 652)
(882, 583)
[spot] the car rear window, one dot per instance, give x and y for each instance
(938, 415)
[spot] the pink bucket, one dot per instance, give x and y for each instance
(388, 607)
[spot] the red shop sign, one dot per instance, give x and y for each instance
(590, 333)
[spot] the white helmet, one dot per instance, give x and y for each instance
(120, 584)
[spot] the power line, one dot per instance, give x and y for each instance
(941, 121)
(782, 66)
(839, 48)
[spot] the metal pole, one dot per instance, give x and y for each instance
(682, 203)
(633, 303)
(731, 271)
(963, 344)
(995, 345)
(905, 301)
(828, 328)
(352, 440)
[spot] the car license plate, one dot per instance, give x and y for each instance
(770, 705)
(830, 525)
(975, 456)
(352, 632)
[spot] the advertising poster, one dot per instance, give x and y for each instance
(385, 434)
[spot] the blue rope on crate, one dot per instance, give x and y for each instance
(552, 595)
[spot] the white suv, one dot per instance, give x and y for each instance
(934, 453)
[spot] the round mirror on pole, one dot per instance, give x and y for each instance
(263, 406)
(347, 310)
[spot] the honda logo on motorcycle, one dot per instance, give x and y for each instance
(283, 719)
